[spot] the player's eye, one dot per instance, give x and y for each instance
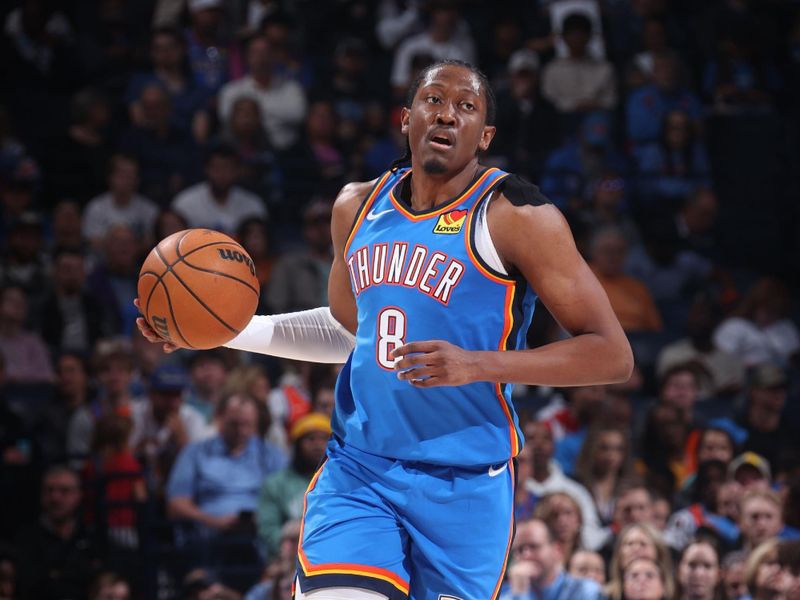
(468, 105)
(432, 99)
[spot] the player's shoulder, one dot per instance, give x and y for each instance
(518, 191)
(518, 200)
(350, 198)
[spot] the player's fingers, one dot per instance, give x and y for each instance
(412, 374)
(169, 348)
(412, 347)
(432, 381)
(136, 303)
(408, 362)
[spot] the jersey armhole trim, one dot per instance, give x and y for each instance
(362, 210)
(472, 249)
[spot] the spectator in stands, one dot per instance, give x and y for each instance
(244, 132)
(349, 85)
(19, 182)
(215, 481)
(605, 461)
(527, 124)
(663, 445)
(121, 204)
(716, 441)
(75, 162)
(696, 221)
(679, 388)
(728, 496)
(24, 264)
(110, 586)
(164, 424)
(282, 100)
(168, 222)
(299, 281)
(579, 82)
(579, 160)
(67, 231)
(211, 54)
(637, 541)
(767, 432)
(725, 369)
(315, 165)
(447, 37)
(761, 518)
(789, 559)
(285, 562)
(733, 581)
(607, 208)
(762, 572)
(72, 319)
(760, 329)
(699, 576)
(218, 203)
(562, 515)
(639, 71)
(750, 471)
(283, 492)
(547, 478)
(170, 70)
(524, 499)
(24, 353)
(647, 106)
(645, 579)
(208, 373)
(166, 155)
(253, 234)
(113, 280)
(631, 300)
(671, 168)
(57, 556)
(634, 504)
(537, 570)
(589, 565)
(114, 369)
(113, 475)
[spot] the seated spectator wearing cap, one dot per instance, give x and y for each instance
(581, 159)
(164, 424)
(527, 124)
(24, 353)
(579, 82)
(121, 204)
(282, 494)
(537, 569)
(767, 433)
(218, 203)
(216, 479)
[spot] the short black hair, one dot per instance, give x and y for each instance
(221, 151)
(576, 21)
(491, 101)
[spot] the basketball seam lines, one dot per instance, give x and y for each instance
(188, 264)
(188, 289)
(172, 313)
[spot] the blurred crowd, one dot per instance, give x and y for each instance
(667, 131)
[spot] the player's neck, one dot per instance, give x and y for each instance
(430, 190)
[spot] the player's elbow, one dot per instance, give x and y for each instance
(623, 362)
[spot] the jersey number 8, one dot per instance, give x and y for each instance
(391, 334)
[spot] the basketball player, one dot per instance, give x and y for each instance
(436, 272)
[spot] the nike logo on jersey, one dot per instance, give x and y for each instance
(372, 215)
(495, 471)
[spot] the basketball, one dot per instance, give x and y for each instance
(198, 288)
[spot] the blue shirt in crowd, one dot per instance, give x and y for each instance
(565, 587)
(219, 483)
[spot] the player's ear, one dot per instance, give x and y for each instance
(486, 137)
(405, 117)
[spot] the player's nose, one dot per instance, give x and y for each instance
(446, 114)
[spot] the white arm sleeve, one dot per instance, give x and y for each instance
(309, 335)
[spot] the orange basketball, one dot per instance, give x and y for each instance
(198, 288)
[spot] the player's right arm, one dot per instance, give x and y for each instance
(318, 335)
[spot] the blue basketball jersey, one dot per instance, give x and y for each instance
(417, 276)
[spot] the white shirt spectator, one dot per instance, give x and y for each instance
(593, 535)
(458, 47)
(283, 107)
(145, 426)
(753, 345)
(197, 205)
(568, 82)
(102, 213)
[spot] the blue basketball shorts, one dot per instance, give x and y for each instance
(406, 529)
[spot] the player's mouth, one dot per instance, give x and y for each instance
(441, 140)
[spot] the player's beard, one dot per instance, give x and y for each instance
(434, 167)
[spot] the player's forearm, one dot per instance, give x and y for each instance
(587, 359)
(309, 335)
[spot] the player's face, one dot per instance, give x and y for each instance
(446, 124)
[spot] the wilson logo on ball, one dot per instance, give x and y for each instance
(228, 254)
(160, 325)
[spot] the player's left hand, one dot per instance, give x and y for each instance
(433, 363)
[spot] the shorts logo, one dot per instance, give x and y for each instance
(443, 597)
(450, 222)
